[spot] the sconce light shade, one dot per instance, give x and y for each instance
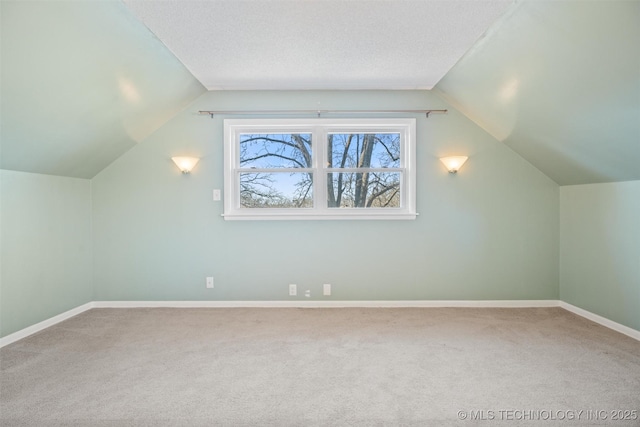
(185, 163)
(453, 163)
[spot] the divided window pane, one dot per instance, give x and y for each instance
(319, 169)
(364, 190)
(260, 155)
(266, 151)
(276, 190)
(369, 150)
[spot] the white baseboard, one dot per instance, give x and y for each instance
(23, 333)
(601, 320)
(321, 304)
(330, 304)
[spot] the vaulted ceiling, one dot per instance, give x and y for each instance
(82, 83)
(557, 81)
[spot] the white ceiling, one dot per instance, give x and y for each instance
(318, 44)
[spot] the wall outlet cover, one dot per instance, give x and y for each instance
(326, 289)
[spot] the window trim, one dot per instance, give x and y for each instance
(320, 128)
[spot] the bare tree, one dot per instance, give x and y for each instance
(360, 189)
(273, 151)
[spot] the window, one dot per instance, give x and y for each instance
(319, 169)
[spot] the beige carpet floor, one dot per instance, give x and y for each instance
(322, 367)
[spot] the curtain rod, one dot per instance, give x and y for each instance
(319, 112)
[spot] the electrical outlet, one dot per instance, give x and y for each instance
(307, 293)
(210, 282)
(326, 289)
(293, 290)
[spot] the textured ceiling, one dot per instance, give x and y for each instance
(318, 44)
(559, 83)
(82, 83)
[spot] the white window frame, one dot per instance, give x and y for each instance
(320, 128)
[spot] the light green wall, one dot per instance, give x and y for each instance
(538, 75)
(489, 232)
(45, 238)
(600, 249)
(97, 80)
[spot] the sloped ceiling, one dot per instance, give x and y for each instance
(320, 44)
(82, 82)
(559, 82)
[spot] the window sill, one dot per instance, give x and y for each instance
(315, 216)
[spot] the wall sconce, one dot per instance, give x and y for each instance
(185, 163)
(453, 163)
